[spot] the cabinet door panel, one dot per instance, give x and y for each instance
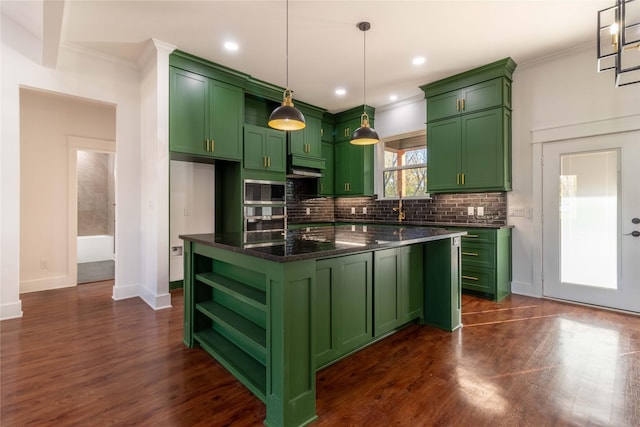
(482, 95)
(276, 151)
(325, 184)
(188, 112)
(443, 155)
(325, 329)
(254, 142)
(355, 302)
(482, 145)
(443, 105)
(226, 107)
(388, 290)
(413, 275)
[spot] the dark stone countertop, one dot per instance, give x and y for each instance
(321, 242)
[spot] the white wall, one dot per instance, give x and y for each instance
(192, 206)
(86, 76)
(550, 92)
(46, 121)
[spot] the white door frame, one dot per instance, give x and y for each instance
(75, 144)
(561, 133)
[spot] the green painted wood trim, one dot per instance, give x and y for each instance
(210, 69)
(442, 305)
(187, 328)
(176, 284)
(502, 68)
(308, 162)
(354, 113)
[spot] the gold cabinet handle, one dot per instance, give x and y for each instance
(269, 161)
(470, 278)
(206, 145)
(264, 161)
(321, 132)
(457, 179)
(473, 236)
(462, 104)
(469, 254)
(457, 105)
(462, 179)
(212, 145)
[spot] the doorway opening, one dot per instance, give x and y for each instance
(96, 216)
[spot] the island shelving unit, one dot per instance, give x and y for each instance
(273, 312)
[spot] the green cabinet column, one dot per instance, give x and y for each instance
(442, 304)
(325, 184)
(205, 116)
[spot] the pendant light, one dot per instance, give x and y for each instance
(364, 135)
(286, 116)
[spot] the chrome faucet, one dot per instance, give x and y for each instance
(399, 209)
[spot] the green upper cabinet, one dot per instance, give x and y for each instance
(345, 129)
(353, 169)
(326, 132)
(469, 99)
(469, 130)
(325, 184)
(264, 149)
(306, 142)
(205, 116)
(305, 145)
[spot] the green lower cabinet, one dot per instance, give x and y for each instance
(398, 287)
(442, 304)
(343, 306)
(486, 262)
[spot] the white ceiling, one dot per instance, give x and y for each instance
(325, 46)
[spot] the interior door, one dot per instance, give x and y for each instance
(591, 220)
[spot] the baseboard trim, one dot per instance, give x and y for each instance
(157, 302)
(124, 292)
(12, 310)
(45, 284)
(526, 289)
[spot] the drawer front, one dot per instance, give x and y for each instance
(479, 235)
(479, 254)
(479, 279)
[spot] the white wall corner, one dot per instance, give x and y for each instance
(526, 289)
(124, 292)
(157, 302)
(11, 311)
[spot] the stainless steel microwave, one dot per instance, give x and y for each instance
(264, 206)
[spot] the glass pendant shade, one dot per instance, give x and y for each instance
(286, 116)
(365, 135)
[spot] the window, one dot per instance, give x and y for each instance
(404, 167)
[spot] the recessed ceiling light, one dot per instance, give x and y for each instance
(419, 60)
(340, 91)
(232, 46)
(393, 98)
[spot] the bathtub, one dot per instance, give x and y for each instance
(95, 248)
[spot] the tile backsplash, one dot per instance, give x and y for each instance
(441, 208)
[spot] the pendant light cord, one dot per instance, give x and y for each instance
(364, 66)
(287, 48)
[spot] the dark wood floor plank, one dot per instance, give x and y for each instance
(79, 358)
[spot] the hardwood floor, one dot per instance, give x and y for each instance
(79, 358)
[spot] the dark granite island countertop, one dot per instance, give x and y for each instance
(321, 242)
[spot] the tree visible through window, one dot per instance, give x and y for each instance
(405, 167)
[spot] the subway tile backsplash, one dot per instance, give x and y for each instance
(441, 208)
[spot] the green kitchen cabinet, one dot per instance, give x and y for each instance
(306, 142)
(470, 153)
(353, 169)
(264, 149)
(398, 287)
(343, 306)
(344, 129)
(205, 116)
(469, 130)
(325, 184)
(326, 132)
(486, 262)
(480, 96)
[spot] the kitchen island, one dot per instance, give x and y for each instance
(274, 307)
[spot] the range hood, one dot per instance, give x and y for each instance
(302, 172)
